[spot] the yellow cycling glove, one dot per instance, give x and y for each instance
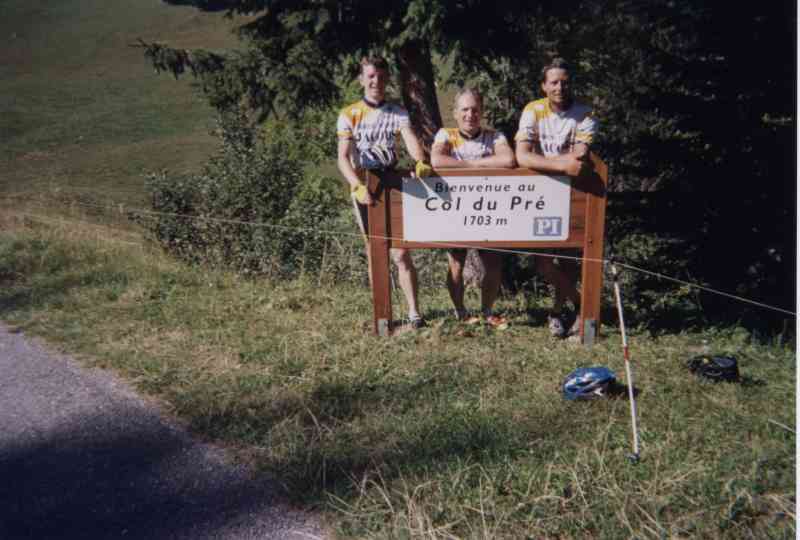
(423, 170)
(360, 193)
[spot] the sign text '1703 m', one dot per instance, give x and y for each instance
(479, 208)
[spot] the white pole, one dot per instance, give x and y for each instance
(631, 397)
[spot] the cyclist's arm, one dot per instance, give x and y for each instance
(503, 157)
(567, 164)
(412, 143)
(343, 162)
(580, 150)
(441, 158)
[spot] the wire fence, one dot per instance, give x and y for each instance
(343, 255)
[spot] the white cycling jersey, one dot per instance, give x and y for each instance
(555, 132)
(373, 130)
(466, 148)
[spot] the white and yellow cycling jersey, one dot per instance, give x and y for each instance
(373, 130)
(555, 132)
(464, 148)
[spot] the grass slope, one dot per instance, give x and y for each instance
(452, 432)
(82, 111)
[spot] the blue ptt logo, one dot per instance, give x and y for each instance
(547, 226)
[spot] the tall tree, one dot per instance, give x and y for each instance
(298, 52)
(666, 77)
(696, 99)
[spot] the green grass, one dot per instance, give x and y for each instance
(452, 432)
(83, 110)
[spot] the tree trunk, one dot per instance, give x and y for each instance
(419, 90)
(419, 97)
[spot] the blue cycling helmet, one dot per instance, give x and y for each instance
(587, 383)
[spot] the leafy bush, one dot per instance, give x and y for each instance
(650, 301)
(685, 237)
(251, 206)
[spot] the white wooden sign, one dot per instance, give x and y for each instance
(486, 208)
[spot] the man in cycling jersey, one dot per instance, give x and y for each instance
(467, 146)
(554, 137)
(366, 133)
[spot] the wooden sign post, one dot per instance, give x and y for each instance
(489, 208)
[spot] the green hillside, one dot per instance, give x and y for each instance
(81, 108)
(453, 431)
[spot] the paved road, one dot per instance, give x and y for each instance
(82, 456)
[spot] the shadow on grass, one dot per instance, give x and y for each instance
(338, 433)
(750, 382)
(205, 5)
(617, 390)
(20, 296)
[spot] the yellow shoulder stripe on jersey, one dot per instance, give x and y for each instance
(355, 112)
(541, 108)
(454, 137)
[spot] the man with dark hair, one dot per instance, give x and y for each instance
(554, 137)
(470, 145)
(367, 132)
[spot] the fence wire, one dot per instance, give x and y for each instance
(131, 211)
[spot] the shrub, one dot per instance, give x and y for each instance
(251, 206)
(687, 238)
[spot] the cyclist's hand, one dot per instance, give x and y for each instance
(574, 166)
(361, 194)
(423, 170)
(581, 152)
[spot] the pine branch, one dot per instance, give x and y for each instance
(176, 61)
